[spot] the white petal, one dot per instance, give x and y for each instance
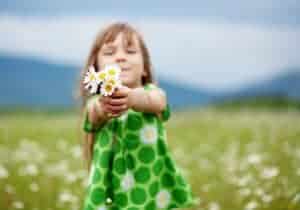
(87, 86)
(94, 88)
(114, 66)
(92, 69)
(98, 80)
(86, 79)
(104, 92)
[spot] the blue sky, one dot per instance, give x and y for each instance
(212, 44)
(255, 11)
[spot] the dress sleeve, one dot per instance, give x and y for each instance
(87, 125)
(166, 113)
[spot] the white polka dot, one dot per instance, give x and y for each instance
(163, 199)
(148, 134)
(127, 181)
(102, 208)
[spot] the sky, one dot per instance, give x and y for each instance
(205, 44)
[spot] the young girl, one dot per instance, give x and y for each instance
(130, 164)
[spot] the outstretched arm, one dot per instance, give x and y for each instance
(138, 99)
(96, 112)
(142, 100)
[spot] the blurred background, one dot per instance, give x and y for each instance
(232, 76)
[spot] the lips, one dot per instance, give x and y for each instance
(124, 72)
(125, 68)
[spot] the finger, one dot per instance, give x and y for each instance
(116, 108)
(118, 113)
(120, 92)
(99, 106)
(105, 109)
(114, 114)
(109, 112)
(117, 101)
(103, 99)
(108, 100)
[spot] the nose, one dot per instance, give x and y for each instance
(120, 57)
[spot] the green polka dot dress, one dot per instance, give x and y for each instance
(132, 167)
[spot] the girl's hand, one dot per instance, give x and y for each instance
(117, 103)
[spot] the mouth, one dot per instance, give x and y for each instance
(125, 68)
(123, 74)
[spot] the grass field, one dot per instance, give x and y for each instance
(234, 159)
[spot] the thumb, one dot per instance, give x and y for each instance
(121, 91)
(125, 89)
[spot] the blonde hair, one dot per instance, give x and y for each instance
(107, 35)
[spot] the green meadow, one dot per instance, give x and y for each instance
(235, 158)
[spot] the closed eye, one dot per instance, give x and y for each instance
(131, 51)
(108, 52)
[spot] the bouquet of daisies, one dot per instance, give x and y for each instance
(104, 82)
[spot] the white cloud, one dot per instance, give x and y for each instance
(204, 54)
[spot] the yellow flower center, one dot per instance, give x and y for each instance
(92, 77)
(111, 72)
(102, 75)
(108, 87)
(112, 82)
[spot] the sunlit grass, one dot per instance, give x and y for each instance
(247, 159)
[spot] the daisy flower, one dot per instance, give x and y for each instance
(90, 80)
(107, 89)
(101, 76)
(107, 79)
(113, 71)
(114, 82)
(111, 80)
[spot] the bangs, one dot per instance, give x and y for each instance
(113, 32)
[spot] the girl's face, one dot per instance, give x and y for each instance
(129, 58)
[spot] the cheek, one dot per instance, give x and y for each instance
(102, 61)
(137, 61)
